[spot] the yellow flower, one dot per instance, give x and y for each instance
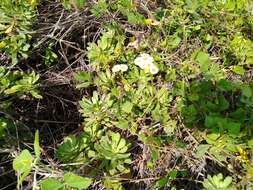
(243, 157)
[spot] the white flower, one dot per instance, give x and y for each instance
(119, 67)
(144, 60)
(153, 69)
(124, 67)
(116, 68)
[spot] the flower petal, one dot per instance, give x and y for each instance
(147, 58)
(123, 67)
(154, 70)
(115, 68)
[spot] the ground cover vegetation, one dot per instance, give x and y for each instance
(126, 94)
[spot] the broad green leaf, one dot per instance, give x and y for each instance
(217, 154)
(51, 184)
(122, 124)
(250, 143)
(37, 145)
(203, 60)
(238, 70)
(225, 85)
(23, 162)
(127, 107)
(233, 127)
(122, 146)
(76, 181)
(23, 165)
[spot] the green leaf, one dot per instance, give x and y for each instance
(233, 127)
(80, 3)
(127, 107)
(225, 85)
(76, 181)
(172, 174)
(202, 59)
(247, 91)
(36, 94)
(238, 70)
(201, 150)
(37, 145)
(82, 76)
(69, 149)
(154, 155)
(212, 138)
(51, 184)
(23, 162)
(162, 182)
(23, 165)
(122, 124)
(112, 184)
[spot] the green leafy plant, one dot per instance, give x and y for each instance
(217, 182)
(72, 149)
(241, 47)
(127, 7)
(17, 83)
(112, 184)
(15, 33)
(95, 110)
(112, 149)
(172, 76)
(50, 55)
(107, 49)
